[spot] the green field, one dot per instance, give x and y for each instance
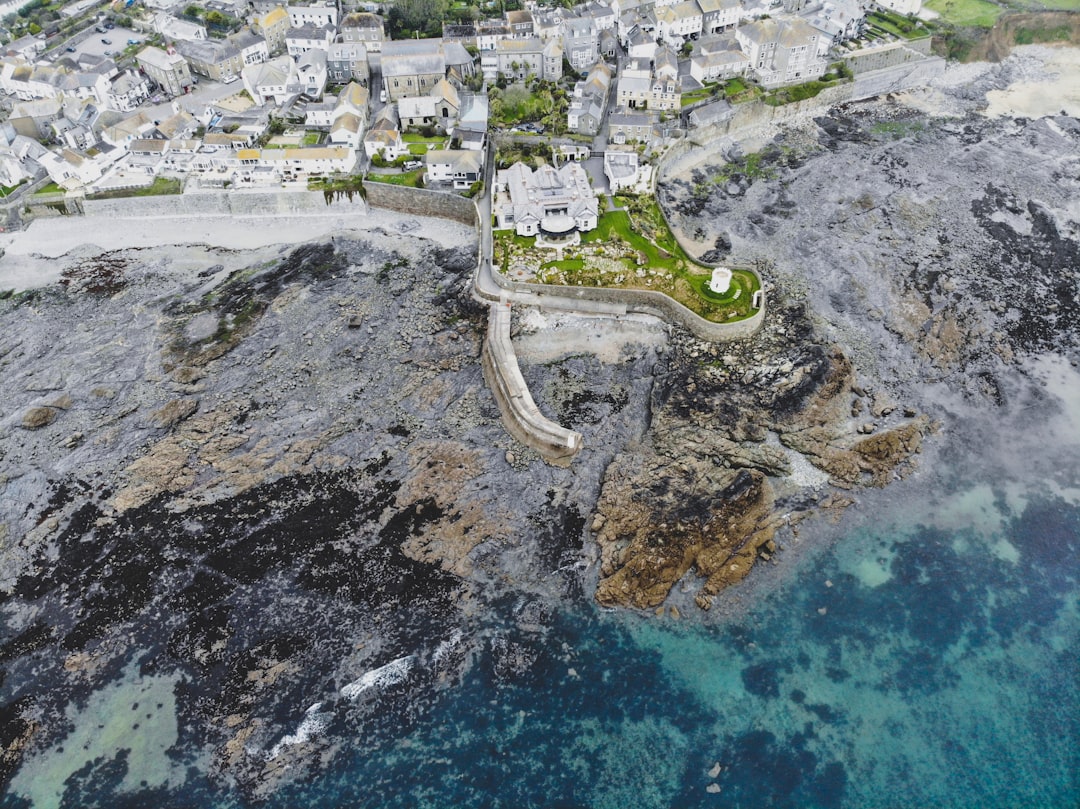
(974, 13)
(413, 179)
(1054, 5)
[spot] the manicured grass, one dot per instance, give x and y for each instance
(160, 187)
(412, 179)
(973, 13)
(566, 265)
(617, 224)
(897, 25)
(50, 188)
(694, 96)
(312, 138)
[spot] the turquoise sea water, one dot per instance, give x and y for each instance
(922, 653)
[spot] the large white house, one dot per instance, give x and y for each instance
(781, 52)
(548, 201)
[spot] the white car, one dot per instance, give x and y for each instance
(230, 79)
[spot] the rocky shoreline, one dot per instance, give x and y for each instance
(274, 485)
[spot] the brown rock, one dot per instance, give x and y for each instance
(37, 417)
(173, 413)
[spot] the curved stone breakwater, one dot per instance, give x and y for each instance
(521, 416)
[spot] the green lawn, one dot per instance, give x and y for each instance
(695, 96)
(974, 13)
(50, 188)
(412, 179)
(161, 186)
(617, 224)
(566, 265)
(897, 25)
(656, 261)
(312, 138)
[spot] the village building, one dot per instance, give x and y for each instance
(317, 14)
(719, 15)
(457, 167)
(272, 27)
(546, 201)
(347, 61)
(363, 28)
(168, 68)
(782, 52)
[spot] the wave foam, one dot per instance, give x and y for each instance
(312, 723)
(392, 673)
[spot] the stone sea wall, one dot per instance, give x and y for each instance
(270, 202)
(521, 416)
(756, 114)
(421, 202)
(636, 301)
(223, 203)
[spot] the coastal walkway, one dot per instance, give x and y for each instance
(522, 418)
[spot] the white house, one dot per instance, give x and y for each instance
(276, 80)
(782, 51)
(547, 201)
(461, 167)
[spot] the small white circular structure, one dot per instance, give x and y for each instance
(720, 281)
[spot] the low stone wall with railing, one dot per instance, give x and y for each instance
(521, 416)
(638, 301)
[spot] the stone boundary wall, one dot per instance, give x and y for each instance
(897, 78)
(636, 301)
(422, 202)
(221, 203)
(866, 85)
(520, 414)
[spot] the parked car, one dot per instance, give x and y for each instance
(105, 41)
(110, 25)
(134, 41)
(69, 49)
(230, 79)
(410, 165)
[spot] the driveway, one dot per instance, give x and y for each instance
(594, 167)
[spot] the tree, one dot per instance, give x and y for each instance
(420, 16)
(687, 48)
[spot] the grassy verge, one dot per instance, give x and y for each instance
(412, 179)
(50, 188)
(897, 25)
(160, 187)
(694, 96)
(1029, 36)
(967, 13)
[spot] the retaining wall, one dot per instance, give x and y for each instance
(422, 202)
(634, 301)
(225, 203)
(520, 414)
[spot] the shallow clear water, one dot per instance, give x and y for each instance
(922, 655)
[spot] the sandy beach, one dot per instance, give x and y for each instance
(30, 256)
